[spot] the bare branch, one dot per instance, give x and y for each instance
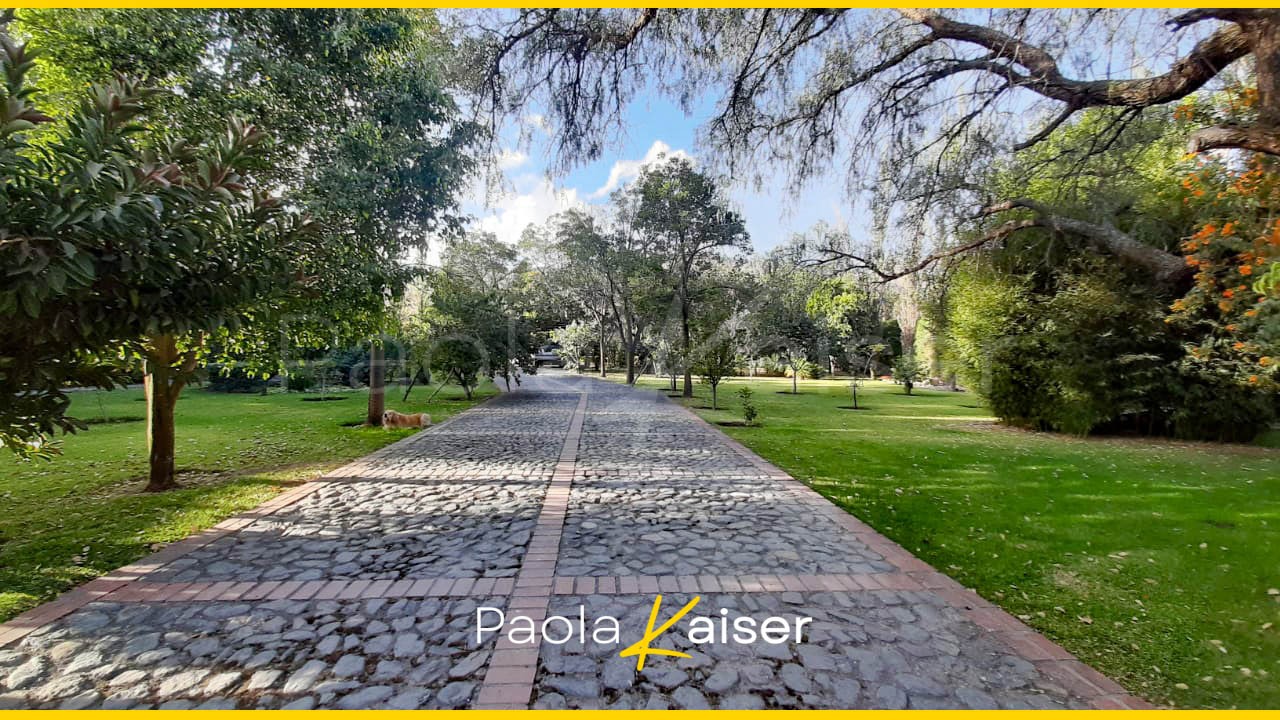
(1235, 15)
(1167, 267)
(1238, 137)
(853, 261)
(1187, 75)
(1047, 130)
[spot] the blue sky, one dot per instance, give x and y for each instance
(654, 125)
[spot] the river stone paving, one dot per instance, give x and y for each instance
(884, 649)
(360, 590)
(378, 530)
(277, 654)
(656, 526)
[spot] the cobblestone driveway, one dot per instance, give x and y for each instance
(360, 590)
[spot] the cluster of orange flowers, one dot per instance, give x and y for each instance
(1229, 252)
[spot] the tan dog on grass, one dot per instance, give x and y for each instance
(393, 419)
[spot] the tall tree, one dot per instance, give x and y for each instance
(568, 287)
(484, 277)
(625, 263)
(477, 327)
(687, 217)
(364, 138)
(118, 242)
(780, 319)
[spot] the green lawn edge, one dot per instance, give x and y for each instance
(83, 514)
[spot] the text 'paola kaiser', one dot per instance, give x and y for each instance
(606, 630)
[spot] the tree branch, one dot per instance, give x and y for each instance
(1168, 268)
(1241, 137)
(858, 262)
(1187, 75)
(1235, 15)
(1047, 130)
(622, 40)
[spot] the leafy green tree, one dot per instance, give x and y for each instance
(848, 315)
(122, 243)
(563, 287)
(622, 265)
(473, 297)
(684, 213)
(577, 341)
(663, 341)
(908, 371)
(720, 324)
(459, 359)
(1056, 338)
(364, 139)
(780, 319)
(838, 304)
(981, 305)
(716, 361)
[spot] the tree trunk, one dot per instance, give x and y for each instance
(631, 364)
(713, 396)
(377, 383)
(161, 402)
(1266, 55)
(795, 380)
(162, 391)
(603, 372)
(688, 343)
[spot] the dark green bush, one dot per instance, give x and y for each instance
(234, 380)
(1090, 352)
(300, 381)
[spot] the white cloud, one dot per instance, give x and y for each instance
(514, 211)
(538, 122)
(512, 159)
(625, 170)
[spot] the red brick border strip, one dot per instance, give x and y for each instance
(636, 584)
(508, 680)
(537, 578)
(107, 586)
(1052, 659)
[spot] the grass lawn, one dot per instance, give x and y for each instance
(83, 514)
(1156, 561)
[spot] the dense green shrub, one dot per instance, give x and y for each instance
(749, 410)
(300, 381)
(771, 366)
(234, 380)
(807, 369)
(1087, 350)
(908, 371)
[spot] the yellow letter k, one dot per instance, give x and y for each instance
(642, 649)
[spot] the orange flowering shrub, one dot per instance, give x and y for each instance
(1236, 255)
